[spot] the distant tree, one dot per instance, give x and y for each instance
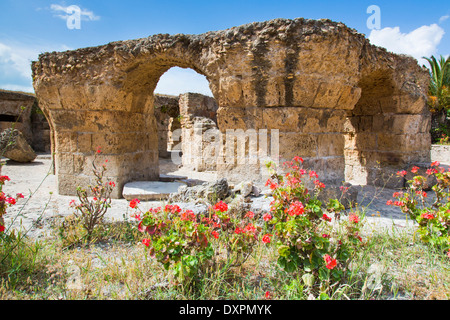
(439, 96)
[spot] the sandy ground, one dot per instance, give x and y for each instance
(42, 202)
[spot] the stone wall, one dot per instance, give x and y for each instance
(167, 112)
(30, 120)
(15, 109)
(198, 127)
(318, 86)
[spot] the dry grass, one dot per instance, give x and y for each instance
(120, 270)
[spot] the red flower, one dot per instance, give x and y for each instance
(266, 238)
(238, 230)
(19, 196)
(2, 228)
(389, 202)
(402, 173)
(172, 208)
(146, 242)
(298, 159)
(267, 217)
(296, 208)
(435, 163)
(215, 234)
(326, 218)
(313, 174)
(112, 184)
(134, 203)
(427, 215)
(188, 215)
(99, 150)
(250, 228)
(3, 179)
(319, 184)
(331, 263)
(10, 200)
(249, 214)
(272, 184)
(268, 295)
(325, 235)
(220, 206)
(414, 169)
(353, 218)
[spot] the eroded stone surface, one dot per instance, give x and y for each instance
(339, 102)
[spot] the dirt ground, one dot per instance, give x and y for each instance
(42, 202)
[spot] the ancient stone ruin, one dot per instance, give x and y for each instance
(19, 111)
(315, 89)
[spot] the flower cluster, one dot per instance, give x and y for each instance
(433, 218)
(6, 201)
(302, 226)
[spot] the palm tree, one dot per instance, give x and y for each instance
(439, 95)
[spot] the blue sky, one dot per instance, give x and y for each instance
(30, 27)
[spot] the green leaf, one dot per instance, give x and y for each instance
(284, 251)
(324, 274)
(308, 279)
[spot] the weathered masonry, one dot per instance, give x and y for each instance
(350, 109)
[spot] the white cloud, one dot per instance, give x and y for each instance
(443, 18)
(85, 14)
(15, 64)
(421, 42)
(177, 80)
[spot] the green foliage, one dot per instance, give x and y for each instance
(433, 217)
(306, 239)
(90, 211)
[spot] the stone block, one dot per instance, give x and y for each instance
(150, 190)
(297, 144)
(330, 145)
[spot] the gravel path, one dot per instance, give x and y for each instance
(39, 187)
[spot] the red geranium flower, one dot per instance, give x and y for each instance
(220, 206)
(4, 178)
(215, 234)
(267, 217)
(146, 242)
(353, 218)
(10, 200)
(134, 203)
(266, 238)
(427, 215)
(249, 214)
(402, 173)
(331, 263)
(296, 208)
(326, 218)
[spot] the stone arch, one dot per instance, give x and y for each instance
(308, 82)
